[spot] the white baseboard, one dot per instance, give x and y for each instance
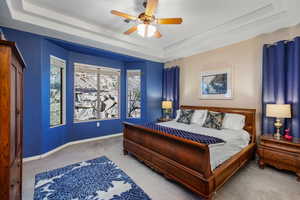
(69, 144)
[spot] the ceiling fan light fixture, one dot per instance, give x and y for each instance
(146, 30)
(145, 20)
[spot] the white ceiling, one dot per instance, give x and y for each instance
(207, 24)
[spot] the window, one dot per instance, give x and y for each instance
(133, 93)
(96, 93)
(57, 91)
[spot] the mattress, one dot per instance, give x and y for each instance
(235, 140)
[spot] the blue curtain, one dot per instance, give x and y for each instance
(171, 87)
(281, 82)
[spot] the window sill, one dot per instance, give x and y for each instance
(56, 126)
(134, 118)
(96, 120)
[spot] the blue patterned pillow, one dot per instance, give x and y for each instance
(185, 116)
(214, 120)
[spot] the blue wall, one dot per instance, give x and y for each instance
(153, 86)
(31, 47)
(57, 135)
(140, 66)
(36, 50)
(88, 129)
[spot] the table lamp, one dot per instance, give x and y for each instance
(167, 107)
(278, 111)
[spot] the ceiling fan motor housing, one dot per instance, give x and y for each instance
(146, 19)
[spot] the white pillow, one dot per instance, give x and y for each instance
(233, 121)
(199, 117)
(177, 115)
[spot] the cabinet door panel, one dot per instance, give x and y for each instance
(19, 118)
(15, 192)
(13, 130)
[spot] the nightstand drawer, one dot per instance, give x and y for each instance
(280, 158)
(280, 146)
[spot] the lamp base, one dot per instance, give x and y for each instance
(278, 125)
(167, 113)
(277, 136)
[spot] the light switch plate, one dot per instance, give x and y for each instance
(98, 124)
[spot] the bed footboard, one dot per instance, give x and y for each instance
(182, 160)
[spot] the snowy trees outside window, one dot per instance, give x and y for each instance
(133, 93)
(96, 93)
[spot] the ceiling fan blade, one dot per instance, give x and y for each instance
(157, 34)
(151, 6)
(169, 21)
(131, 30)
(114, 12)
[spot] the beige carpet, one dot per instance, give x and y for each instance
(250, 183)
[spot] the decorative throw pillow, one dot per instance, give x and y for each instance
(214, 120)
(185, 116)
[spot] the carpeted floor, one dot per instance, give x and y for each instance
(250, 183)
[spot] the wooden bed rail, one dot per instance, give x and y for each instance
(186, 152)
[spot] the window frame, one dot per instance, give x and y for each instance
(141, 72)
(96, 67)
(63, 89)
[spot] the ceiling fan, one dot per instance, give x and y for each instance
(146, 20)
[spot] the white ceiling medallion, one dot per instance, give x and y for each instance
(207, 24)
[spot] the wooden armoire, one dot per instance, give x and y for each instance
(11, 121)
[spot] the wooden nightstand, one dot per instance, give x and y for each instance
(282, 153)
(164, 120)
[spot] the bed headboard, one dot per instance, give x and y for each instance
(250, 126)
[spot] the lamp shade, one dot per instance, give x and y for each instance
(166, 104)
(279, 110)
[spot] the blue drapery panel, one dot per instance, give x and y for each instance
(281, 82)
(171, 86)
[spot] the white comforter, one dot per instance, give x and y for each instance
(235, 140)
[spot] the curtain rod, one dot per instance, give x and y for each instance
(275, 43)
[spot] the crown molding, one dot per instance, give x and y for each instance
(230, 36)
(267, 17)
(36, 21)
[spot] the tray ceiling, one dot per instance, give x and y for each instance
(207, 24)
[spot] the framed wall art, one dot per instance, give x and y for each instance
(216, 84)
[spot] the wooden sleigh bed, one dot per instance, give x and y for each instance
(186, 161)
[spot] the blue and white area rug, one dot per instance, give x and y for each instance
(98, 179)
